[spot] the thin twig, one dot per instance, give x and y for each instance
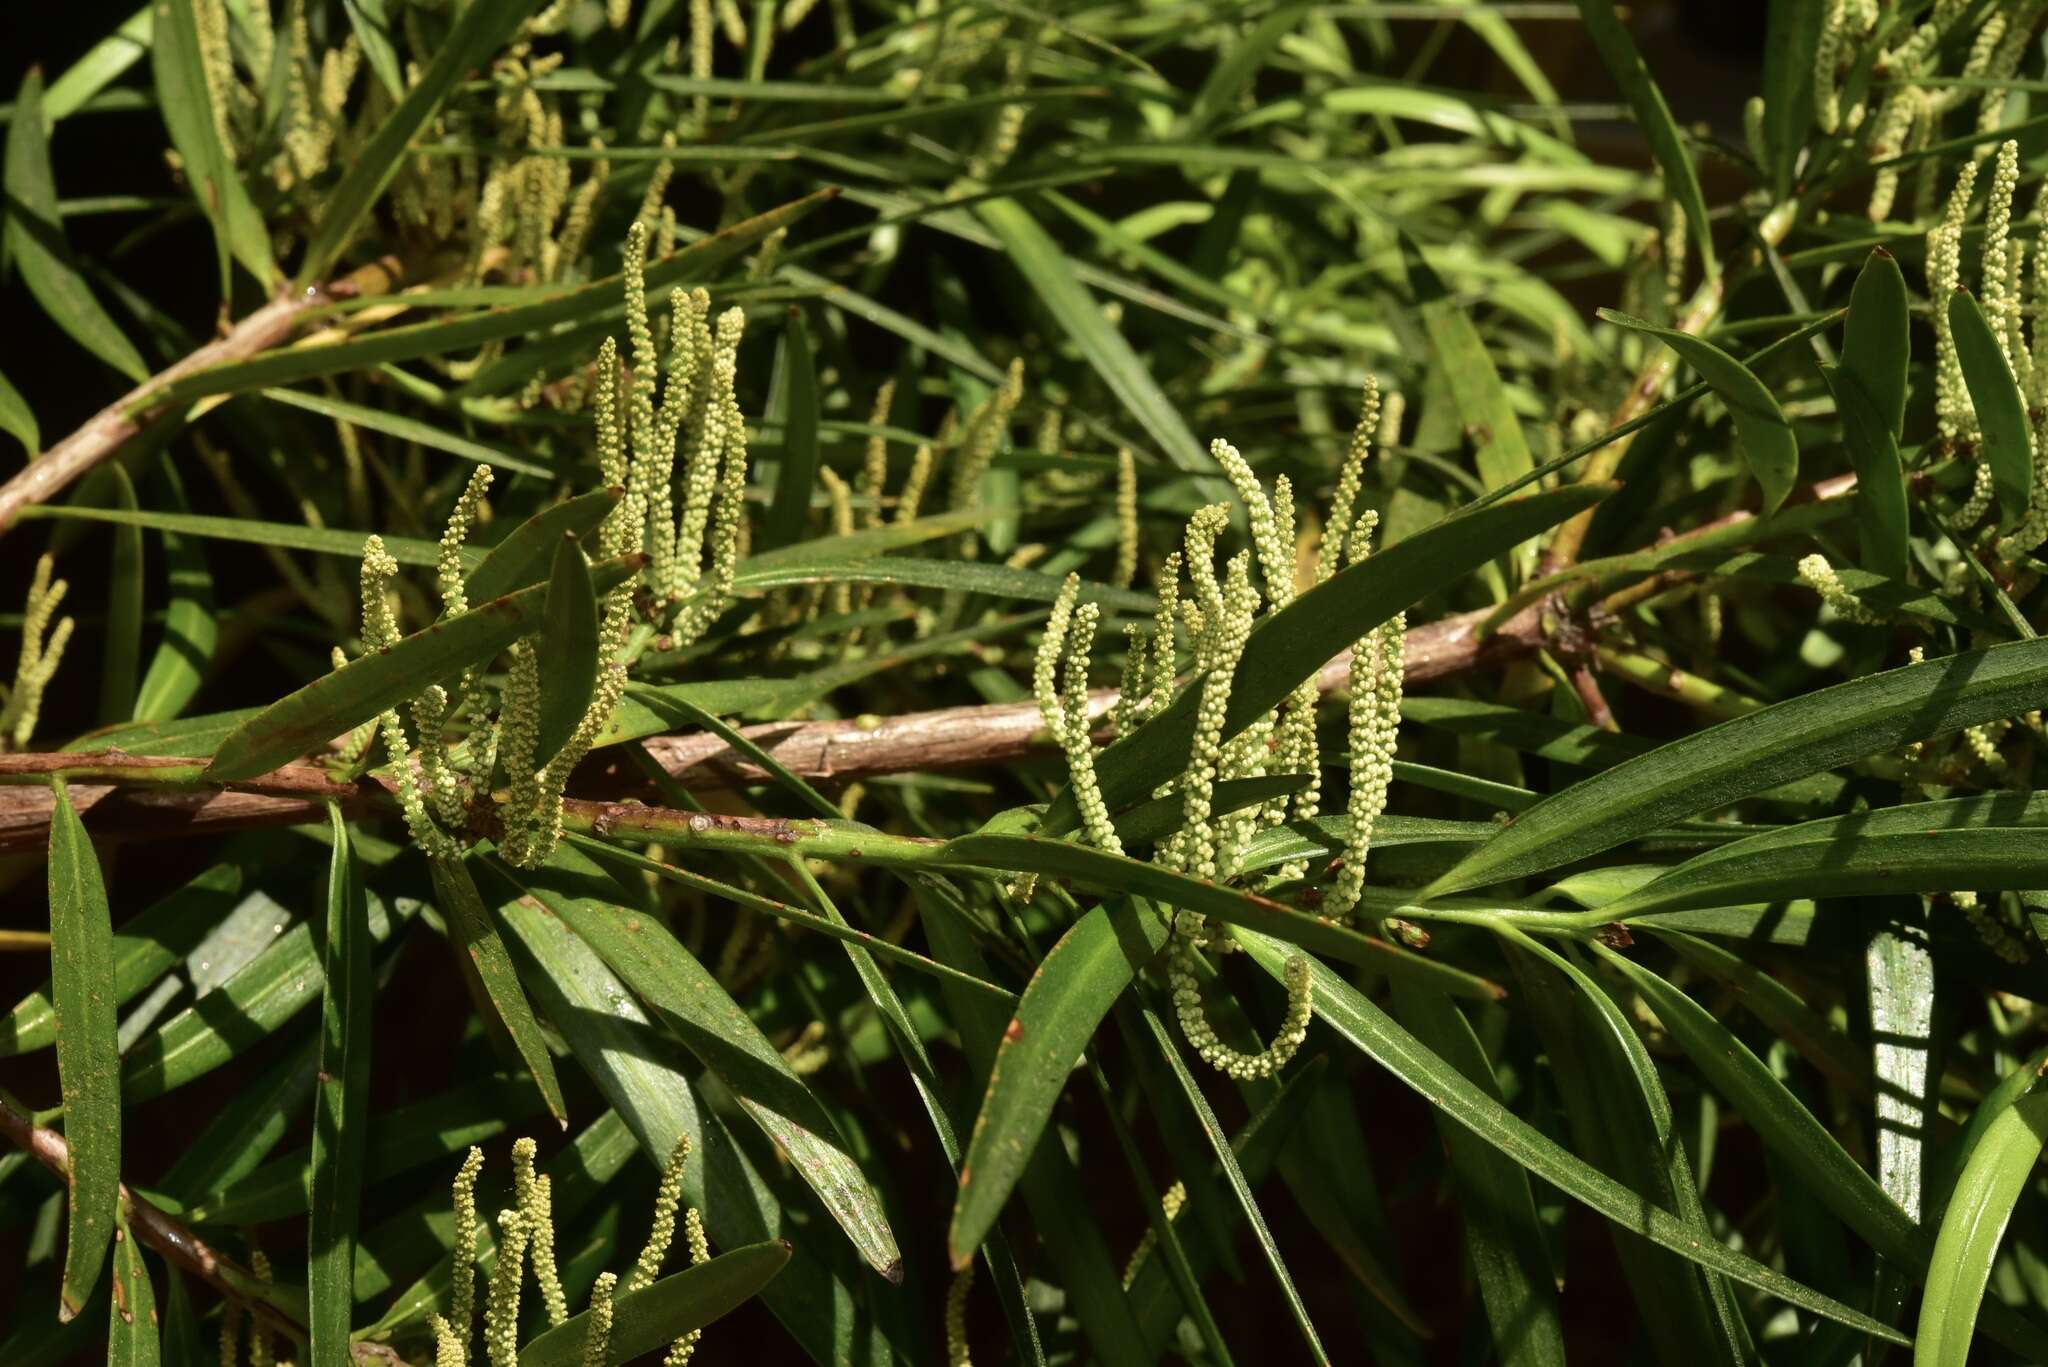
(113, 426)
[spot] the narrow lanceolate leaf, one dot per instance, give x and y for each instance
(370, 684)
(607, 1033)
(18, 420)
(1877, 345)
(35, 239)
(133, 1339)
(1736, 759)
(1790, 39)
(654, 1316)
(527, 554)
(1115, 873)
(187, 108)
(262, 996)
(1899, 971)
(409, 429)
(1791, 1131)
(1358, 1020)
(1990, 843)
(797, 474)
(594, 303)
(1295, 642)
(191, 631)
(1079, 980)
(1766, 437)
(2001, 412)
(476, 936)
(1226, 1159)
(478, 33)
(568, 650)
(340, 1107)
(1047, 270)
(718, 1030)
(122, 658)
(1510, 1259)
(148, 946)
(1499, 447)
(1881, 530)
(88, 1060)
(1985, 1194)
(1622, 1122)
(1653, 116)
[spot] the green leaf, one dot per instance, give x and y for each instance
(293, 536)
(607, 1032)
(88, 1058)
(340, 1107)
(372, 27)
(597, 302)
(963, 576)
(1295, 642)
(262, 996)
(147, 945)
(1881, 530)
(1784, 1012)
(490, 967)
(123, 653)
(796, 474)
(1994, 842)
(1510, 1259)
(527, 554)
(1653, 116)
(654, 1316)
(568, 651)
(1621, 1118)
(1767, 441)
(410, 429)
(1989, 1187)
(1046, 269)
(101, 65)
(18, 419)
(1226, 1159)
(35, 240)
(1236, 69)
(181, 94)
(1790, 39)
(1073, 1242)
(479, 32)
(132, 1337)
(1114, 873)
(1357, 1020)
(1900, 990)
(1739, 758)
(1877, 342)
(405, 1138)
(2006, 446)
(1499, 447)
(191, 631)
(1791, 1131)
(1076, 983)
(718, 1030)
(372, 683)
(246, 1130)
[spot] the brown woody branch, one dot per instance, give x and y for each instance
(176, 1243)
(145, 797)
(113, 426)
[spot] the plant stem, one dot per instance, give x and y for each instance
(113, 426)
(1700, 313)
